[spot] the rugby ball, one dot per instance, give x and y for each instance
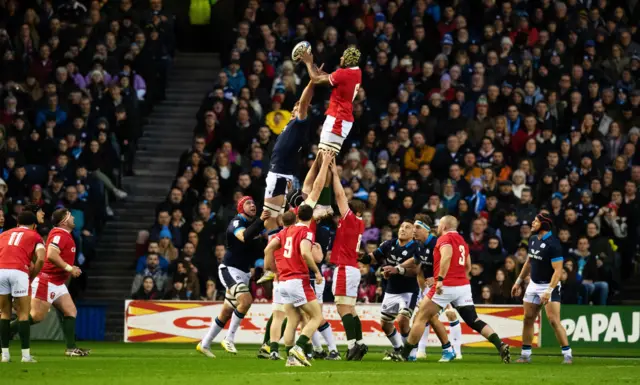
(299, 49)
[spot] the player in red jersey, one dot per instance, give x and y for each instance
(346, 275)
(453, 263)
(49, 287)
(345, 82)
(295, 284)
(16, 249)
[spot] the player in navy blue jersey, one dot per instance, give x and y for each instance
(401, 292)
(544, 266)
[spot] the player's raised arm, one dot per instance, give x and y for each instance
(307, 185)
(316, 74)
(318, 184)
(254, 229)
(53, 256)
(269, 260)
(40, 255)
(305, 100)
(341, 197)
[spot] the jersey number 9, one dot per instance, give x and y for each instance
(287, 247)
(461, 259)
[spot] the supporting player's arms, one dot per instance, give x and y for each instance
(341, 197)
(318, 184)
(516, 289)
(40, 255)
(307, 185)
(269, 260)
(316, 75)
(446, 251)
(557, 273)
(53, 256)
(305, 249)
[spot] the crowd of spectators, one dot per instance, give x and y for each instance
(488, 110)
(77, 79)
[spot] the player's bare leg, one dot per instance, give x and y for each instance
(470, 317)
(531, 311)
(553, 315)
(314, 318)
(293, 319)
(455, 330)
(216, 327)
(428, 310)
(441, 333)
(5, 328)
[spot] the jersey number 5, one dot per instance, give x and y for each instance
(14, 239)
(461, 259)
(355, 92)
(287, 247)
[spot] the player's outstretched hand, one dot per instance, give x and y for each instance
(319, 278)
(320, 70)
(516, 290)
(76, 272)
(266, 214)
(306, 57)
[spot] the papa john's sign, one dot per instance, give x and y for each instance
(188, 321)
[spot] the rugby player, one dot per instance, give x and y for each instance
(244, 247)
(346, 275)
(424, 259)
(282, 167)
(295, 285)
(453, 263)
(49, 286)
(544, 265)
(401, 292)
(16, 269)
(345, 82)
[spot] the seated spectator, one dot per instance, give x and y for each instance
(210, 291)
(486, 296)
(589, 272)
(367, 288)
(142, 261)
(501, 288)
(166, 249)
(147, 291)
(178, 290)
(153, 270)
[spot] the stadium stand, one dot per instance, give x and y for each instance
(489, 110)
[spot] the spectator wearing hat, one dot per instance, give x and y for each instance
(480, 122)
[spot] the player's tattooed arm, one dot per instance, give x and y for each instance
(316, 251)
(446, 252)
(408, 268)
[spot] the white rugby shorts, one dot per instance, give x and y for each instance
(334, 132)
(535, 290)
(346, 280)
(296, 292)
(457, 296)
(277, 184)
(392, 304)
(14, 282)
(230, 276)
(277, 301)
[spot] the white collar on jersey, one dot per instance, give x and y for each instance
(354, 68)
(62, 228)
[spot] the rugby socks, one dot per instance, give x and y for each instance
(358, 324)
(315, 341)
(235, 324)
(495, 340)
(456, 336)
(15, 327)
(422, 345)
(303, 341)
(267, 334)
(274, 346)
(25, 337)
(288, 349)
(447, 347)
(308, 349)
(526, 351)
(69, 329)
(404, 337)
(215, 329)
(395, 339)
(327, 334)
(350, 329)
(5, 332)
(407, 349)
(566, 351)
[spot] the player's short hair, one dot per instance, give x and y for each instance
(58, 216)
(357, 206)
(351, 57)
(424, 218)
(305, 212)
(27, 218)
(289, 218)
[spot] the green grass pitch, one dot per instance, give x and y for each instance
(153, 364)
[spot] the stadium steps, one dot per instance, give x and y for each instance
(168, 133)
